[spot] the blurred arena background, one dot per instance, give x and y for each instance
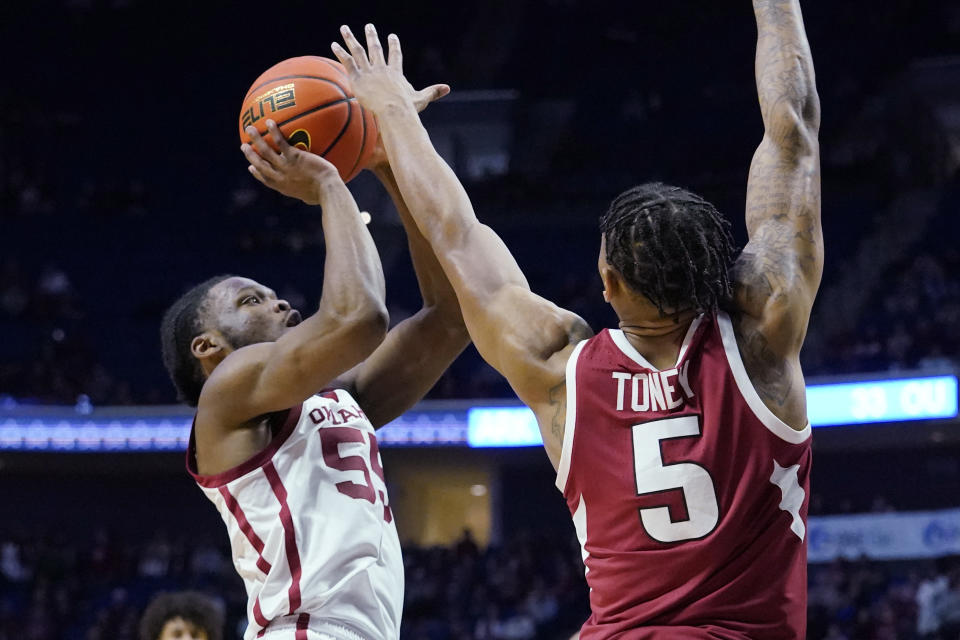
(121, 183)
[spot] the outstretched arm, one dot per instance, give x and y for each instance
(350, 321)
(526, 338)
(418, 350)
(778, 274)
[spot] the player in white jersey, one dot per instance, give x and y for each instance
(335, 556)
(283, 441)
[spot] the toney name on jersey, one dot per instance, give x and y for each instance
(652, 390)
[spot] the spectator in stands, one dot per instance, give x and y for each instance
(928, 592)
(947, 608)
(187, 615)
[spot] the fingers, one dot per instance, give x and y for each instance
(259, 167)
(261, 157)
(259, 176)
(430, 94)
(373, 46)
(354, 58)
(355, 48)
(282, 145)
(435, 92)
(345, 58)
(259, 144)
(396, 55)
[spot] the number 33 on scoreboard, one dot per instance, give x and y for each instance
(654, 476)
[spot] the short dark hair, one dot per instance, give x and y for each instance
(182, 322)
(193, 606)
(670, 245)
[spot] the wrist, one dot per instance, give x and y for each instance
(397, 109)
(328, 187)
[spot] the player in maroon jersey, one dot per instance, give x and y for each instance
(681, 439)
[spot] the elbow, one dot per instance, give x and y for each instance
(796, 112)
(795, 127)
(360, 330)
(368, 327)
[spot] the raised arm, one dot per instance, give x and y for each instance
(524, 337)
(419, 349)
(778, 274)
(350, 321)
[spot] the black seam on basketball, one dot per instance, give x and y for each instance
(363, 139)
(308, 112)
(294, 77)
(339, 71)
(346, 125)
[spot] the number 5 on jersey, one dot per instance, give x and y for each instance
(655, 476)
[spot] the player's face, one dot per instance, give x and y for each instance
(246, 312)
(180, 629)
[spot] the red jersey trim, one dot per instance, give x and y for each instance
(775, 425)
(259, 617)
(246, 528)
(289, 536)
(570, 423)
(255, 462)
(303, 624)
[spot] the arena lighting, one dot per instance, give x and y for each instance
(833, 404)
(131, 429)
(895, 400)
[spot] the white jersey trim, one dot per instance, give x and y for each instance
(580, 525)
(620, 339)
(694, 325)
(566, 452)
(774, 424)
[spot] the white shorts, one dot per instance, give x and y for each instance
(288, 629)
(286, 634)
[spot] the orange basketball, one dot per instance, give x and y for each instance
(310, 100)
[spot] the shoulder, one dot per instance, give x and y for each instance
(776, 377)
(221, 399)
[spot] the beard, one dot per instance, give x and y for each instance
(239, 338)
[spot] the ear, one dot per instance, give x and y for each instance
(612, 285)
(206, 345)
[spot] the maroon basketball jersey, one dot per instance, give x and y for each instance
(688, 495)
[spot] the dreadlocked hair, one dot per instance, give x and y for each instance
(670, 245)
(182, 322)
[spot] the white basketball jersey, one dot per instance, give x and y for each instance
(311, 529)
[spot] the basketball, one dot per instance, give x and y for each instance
(310, 99)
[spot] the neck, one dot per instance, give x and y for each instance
(210, 363)
(658, 340)
(661, 327)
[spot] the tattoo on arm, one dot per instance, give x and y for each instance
(558, 400)
(577, 332)
(783, 198)
(768, 371)
(785, 254)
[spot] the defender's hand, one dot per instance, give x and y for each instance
(291, 171)
(380, 84)
(379, 156)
